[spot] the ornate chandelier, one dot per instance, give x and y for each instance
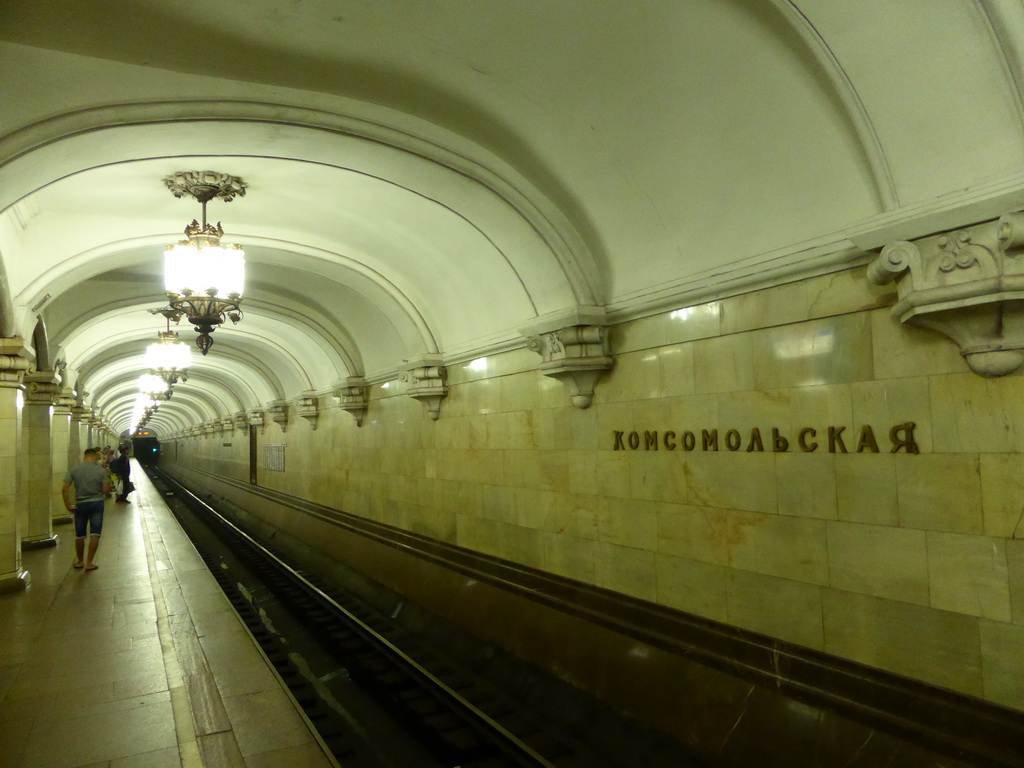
(169, 358)
(154, 387)
(204, 279)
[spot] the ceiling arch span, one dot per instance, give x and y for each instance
(121, 392)
(113, 376)
(58, 147)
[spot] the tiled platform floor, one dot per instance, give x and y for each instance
(140, 663)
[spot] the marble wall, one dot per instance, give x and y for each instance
(911, 562)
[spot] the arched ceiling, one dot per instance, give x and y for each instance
(432, 178)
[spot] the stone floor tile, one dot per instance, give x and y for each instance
(161, 758)
(251, 712)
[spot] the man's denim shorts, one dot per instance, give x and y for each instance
(88, 513)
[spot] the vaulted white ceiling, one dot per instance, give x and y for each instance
(434, 177)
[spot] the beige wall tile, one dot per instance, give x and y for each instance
(846, 291)
(973, 414)
(692, 586)
(1002, 494)
(732, 481)
(700, 321)
(762, 309)
(793, 548)
(1015, 575)
(1002, 663)
(636, 528)
(880, 561)
(612, 474)
(821, 406)
(659, 476)
(968, 574)
(833, 350)
(766, 410)
(790, 610)
(521, 545)
(635, 375)
(676, 370)
(570, 556)
(934, 646)
(723, 364)
(940, 492)
(645, 333)
(807, 484)
(721, 536)
(884, 404)
(906, 350)
(627, 570)
(866, 489)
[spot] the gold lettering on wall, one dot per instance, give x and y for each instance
(901, 438)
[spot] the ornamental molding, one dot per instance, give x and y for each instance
(227, 424)
(426, 380)
(277, 410)
(256, 419)
(575, 355)
(354, 397)
(81, 413)
(205, 185)
(65, 402)
(307, 405)
(41, 388)
(13, 362)
(241, 421)
(967, 284)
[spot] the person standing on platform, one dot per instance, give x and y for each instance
(90, 481)
(121, 467)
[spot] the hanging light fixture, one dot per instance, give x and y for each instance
(169, 358)
(204, 279)
(154, 386)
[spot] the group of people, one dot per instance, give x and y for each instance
(94, 479)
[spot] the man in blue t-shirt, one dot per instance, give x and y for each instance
(91, 484)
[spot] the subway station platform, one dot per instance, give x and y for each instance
(141, 663)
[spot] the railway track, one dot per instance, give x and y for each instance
(377, 695)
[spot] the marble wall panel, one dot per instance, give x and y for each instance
(627, 570)
(866, 489)
(723, 364)
(833, 350)
(793, 548)
(570, 556)
(1015, 572)
(968, 574)
(790, 610)
(904, 350)
(940, 492)
(779, 305)
(692, 586)
(935, 646)
(880, 561)
(973, 414)
(1002, 494)
(1002, 663)
(807, 484)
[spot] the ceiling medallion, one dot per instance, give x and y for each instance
(205, 279)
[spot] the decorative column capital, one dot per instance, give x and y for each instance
(81, 413)
(307, 405)
(576, 355)
(13, 361)
(241, 421)
(426, 379)
(41, 387)
(256, 419)
(278, 412)
(227, 424)
(355, 397)
(65, 402)
(967, 284)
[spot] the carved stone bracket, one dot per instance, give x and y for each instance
(227, 424)
(209, 427)
(65, 402)
(577, 356)
(426, 381)
(308, 407)
(81, 413)
(13, 361)
(256, 419)
(41, 387)
(278, 412)
(966, 284)
(241, 421)
(354, 397)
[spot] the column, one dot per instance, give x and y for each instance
(13, 364)
(80, 415)
(60, 448)
(41, 389)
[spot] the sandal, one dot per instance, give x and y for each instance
(77, 565)
(92, 567)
